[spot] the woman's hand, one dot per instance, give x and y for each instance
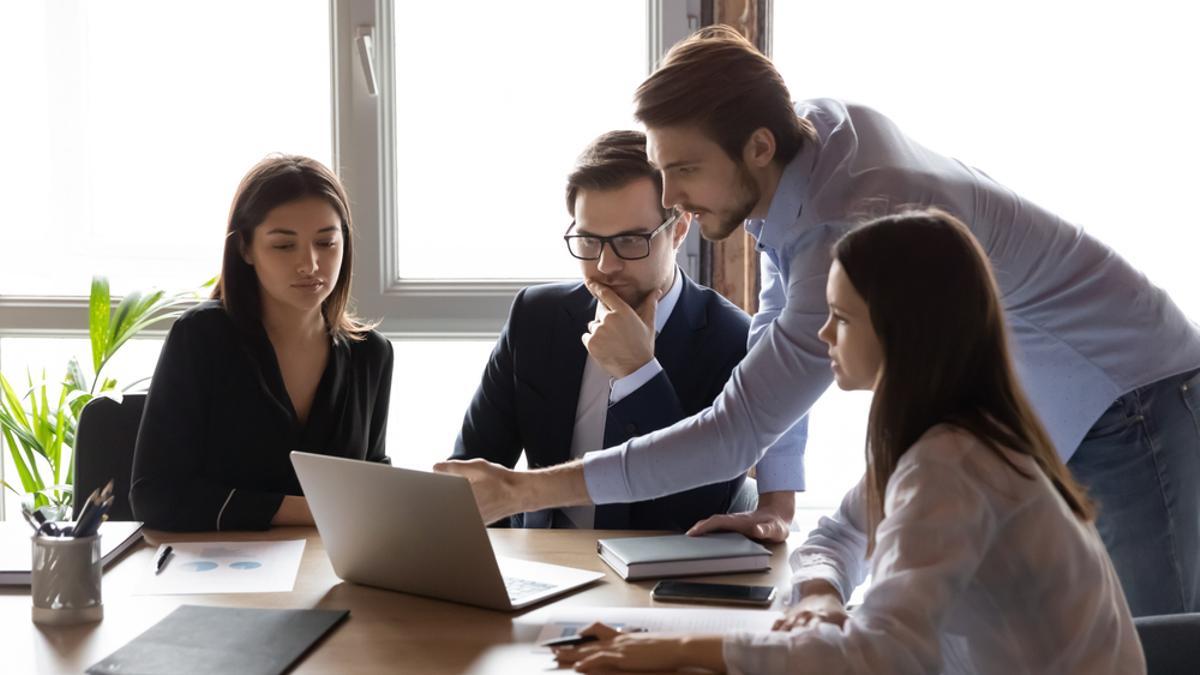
(820, 602)
(643, 652)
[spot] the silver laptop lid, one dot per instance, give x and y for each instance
(404, 530)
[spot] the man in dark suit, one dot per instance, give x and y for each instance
(659, 348)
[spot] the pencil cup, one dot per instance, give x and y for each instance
(66, 580)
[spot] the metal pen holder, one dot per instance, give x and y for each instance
(65, 581)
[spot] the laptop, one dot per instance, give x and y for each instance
(419, 532)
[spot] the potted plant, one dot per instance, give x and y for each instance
(38, 417)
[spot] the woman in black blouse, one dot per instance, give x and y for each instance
(274, 362)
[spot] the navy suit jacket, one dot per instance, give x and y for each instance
(529, 393)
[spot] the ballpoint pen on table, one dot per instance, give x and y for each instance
(160, 562)
(577, 639)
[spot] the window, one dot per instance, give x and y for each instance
(432, 384)
(132, 134)
(1084, 108)
(486, 137)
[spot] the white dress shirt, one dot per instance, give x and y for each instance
(976, 569)
(598, 391)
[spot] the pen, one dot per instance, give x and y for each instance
(92, 500)
(88, 526)
(575, 640)
(161, 560)
(29, 519)
(43, 526)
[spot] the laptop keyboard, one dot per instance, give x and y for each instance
(520, 588)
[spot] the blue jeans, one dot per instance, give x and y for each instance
(1140, 462)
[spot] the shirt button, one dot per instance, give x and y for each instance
(631, 429)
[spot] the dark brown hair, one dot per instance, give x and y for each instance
(717, 80)
(275, 181)
(936, 310)
(612, 161)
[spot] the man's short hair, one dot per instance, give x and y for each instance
(611, 162)
(717, 80)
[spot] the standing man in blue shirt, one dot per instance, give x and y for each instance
(552, 396)
(1108, 360)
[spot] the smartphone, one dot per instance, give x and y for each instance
(692, 591)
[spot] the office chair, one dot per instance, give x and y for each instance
(104, 444)
(1169, 643)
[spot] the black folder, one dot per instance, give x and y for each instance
(196, 640)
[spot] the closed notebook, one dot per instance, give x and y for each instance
(196, 640)
(677, 555)
(16, 554)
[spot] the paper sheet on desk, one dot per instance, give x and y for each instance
(226, 567)
(565, 622)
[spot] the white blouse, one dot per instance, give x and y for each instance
(976, 569)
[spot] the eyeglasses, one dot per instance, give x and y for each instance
(632, 246)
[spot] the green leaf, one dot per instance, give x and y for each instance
(22, 471)
(126, 313)
(13, 404)
(152, 309)
(13, 425)
(36, 418)
(99, 309)
(76, 380)
(55, 449)
(23, 452)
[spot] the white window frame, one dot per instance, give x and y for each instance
(428, 308)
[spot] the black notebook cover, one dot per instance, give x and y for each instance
(196, 640)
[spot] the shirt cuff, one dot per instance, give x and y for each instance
(604, 473)
(780, 472)
(620, 388)
(781, 468)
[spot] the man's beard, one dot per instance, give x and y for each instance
(719, 226)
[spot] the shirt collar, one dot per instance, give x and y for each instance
(666, 304)
(778, 229)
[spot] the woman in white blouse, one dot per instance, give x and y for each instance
(981, 547)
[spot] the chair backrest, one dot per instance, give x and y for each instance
(104, 444)
(1170, 643)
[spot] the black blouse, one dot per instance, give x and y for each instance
(212, 450)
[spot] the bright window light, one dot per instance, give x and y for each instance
(136, 120)
(490, 116)
(1087, 109)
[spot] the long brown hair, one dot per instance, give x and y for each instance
(274, 181)
(717, 80)
(936, 310)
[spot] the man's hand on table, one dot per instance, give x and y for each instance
(769, 522)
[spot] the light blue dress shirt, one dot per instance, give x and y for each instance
(1086, 326)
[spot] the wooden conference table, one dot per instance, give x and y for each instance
(387, 632)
